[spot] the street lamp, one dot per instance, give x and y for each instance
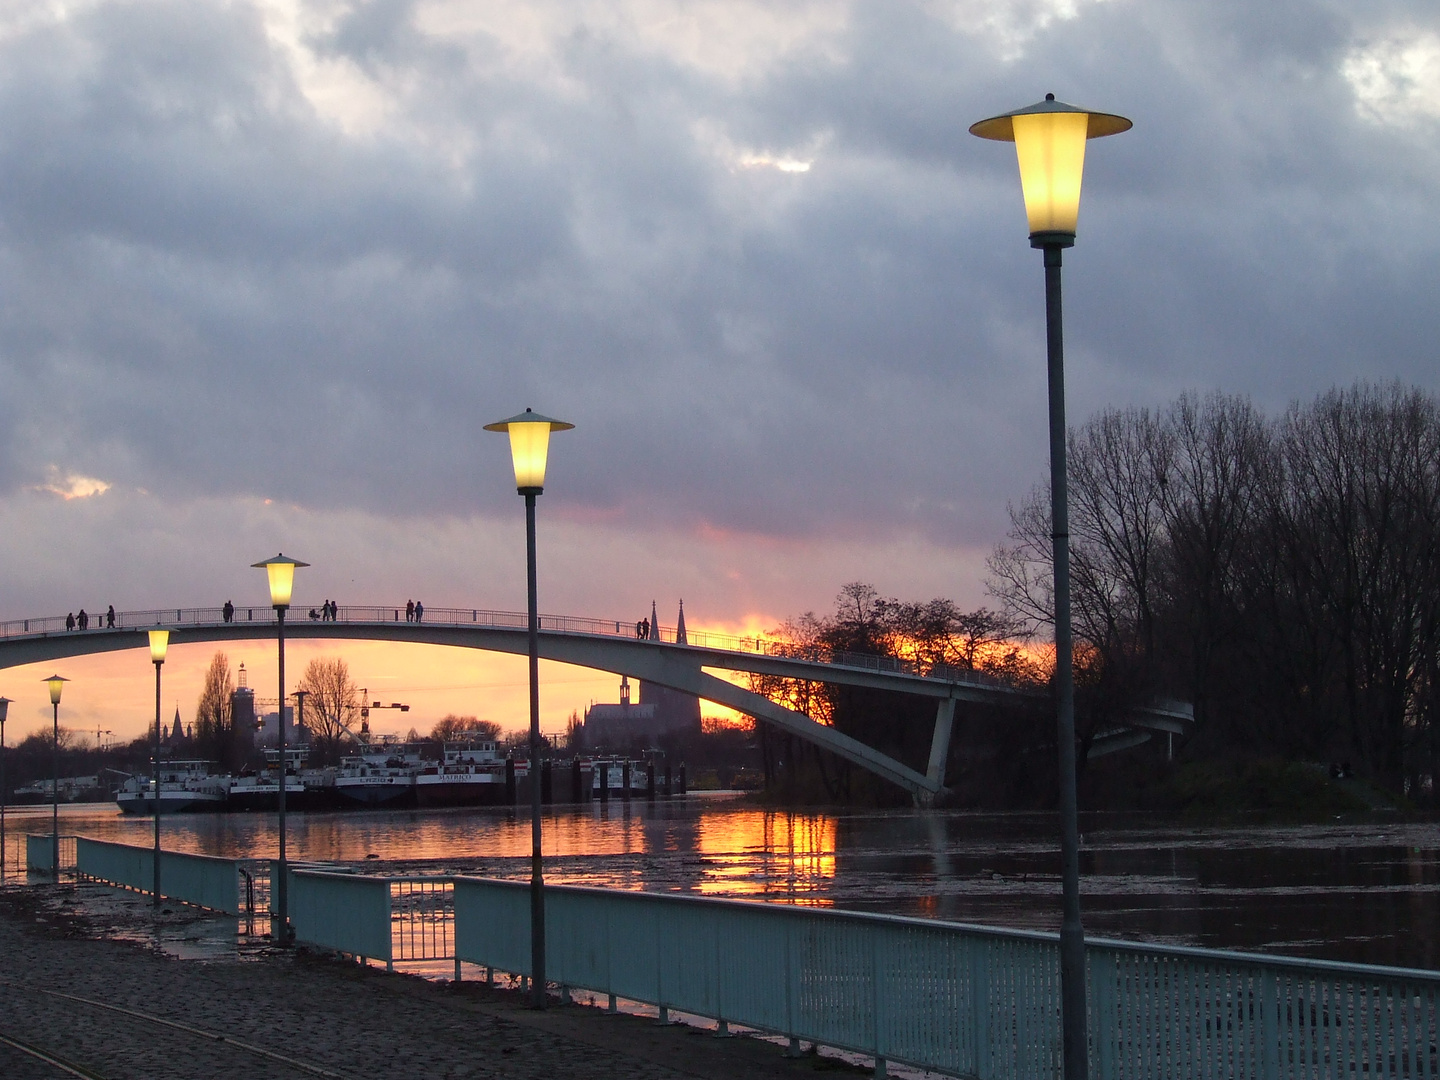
(56, 683)
(4, 711)
(529, 445)
(281, 574)
(1049, 140)
(159, 642)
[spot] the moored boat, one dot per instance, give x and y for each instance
(469, 773)
(381, 774)
(185, 787)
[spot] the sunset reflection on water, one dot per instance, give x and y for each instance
(765, 853)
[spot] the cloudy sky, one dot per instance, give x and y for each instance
(267, 267)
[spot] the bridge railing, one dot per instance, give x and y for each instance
(354, 614)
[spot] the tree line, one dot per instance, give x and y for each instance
(1280, 572)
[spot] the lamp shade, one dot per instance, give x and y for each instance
(57, 683)
(4, 709)
(529, 446)
(1049, 139)
(281, 571)
(159, 642)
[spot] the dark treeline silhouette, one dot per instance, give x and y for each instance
(925, 636)
(1280, 572)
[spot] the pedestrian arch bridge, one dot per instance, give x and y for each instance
(602, 645)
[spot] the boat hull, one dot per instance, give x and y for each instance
(455, 791)
(171, 802)
(374, 791)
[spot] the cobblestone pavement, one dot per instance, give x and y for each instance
(328, 1015)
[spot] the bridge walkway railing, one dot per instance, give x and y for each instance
(369, 615)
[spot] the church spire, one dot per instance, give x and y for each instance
(654, 623)
(177, 732)
(680, 627)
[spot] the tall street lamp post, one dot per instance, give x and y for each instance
(56, 684)
(281, 573)
(529, 446)
(4, 711)
(1049, 140)
(159, 642)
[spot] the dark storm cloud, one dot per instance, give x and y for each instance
(211, 286)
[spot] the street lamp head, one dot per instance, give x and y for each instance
(4, 709)
(1049, 139)
(281, 571)
(57, 683)
(529, 446)
(159, 642)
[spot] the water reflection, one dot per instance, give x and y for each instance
(1364, 893)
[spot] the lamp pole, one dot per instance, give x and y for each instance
(159, 642)
(529, 446)
(4, 711)
(56, 684)
(281, 574)
(1049, 139)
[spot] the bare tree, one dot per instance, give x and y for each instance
(214, 728)
(332, 704)
(450, 728)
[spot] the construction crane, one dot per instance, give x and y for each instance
(99, 745)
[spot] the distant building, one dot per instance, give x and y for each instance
(270, 726)
(660, 710)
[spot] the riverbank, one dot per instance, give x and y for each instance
(115, 1009)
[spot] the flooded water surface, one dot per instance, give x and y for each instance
(1366, 893)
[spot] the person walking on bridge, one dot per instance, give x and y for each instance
(228, 611)
(70, 621)
(409, 610)
(110, 617)
(419, 610)
(83, 620)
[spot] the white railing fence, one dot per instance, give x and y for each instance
(202, 880)
(40, 852)
(964, 1000)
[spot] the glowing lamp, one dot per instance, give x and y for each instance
(57, 683)
(529, 446)
(281, 571)
(159, 642)
(1049, 140)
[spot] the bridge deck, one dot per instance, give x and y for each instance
(479, 618)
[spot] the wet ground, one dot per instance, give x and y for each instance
(1367, 892)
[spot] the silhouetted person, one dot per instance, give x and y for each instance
(409, 610)
(110, 617)
(419, 610)
(83, 620)
(645, 628)
(70, 621)
(640, 629)
(228, 611)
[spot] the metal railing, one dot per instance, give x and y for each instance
(959, 999)
(40, 852)
(378, 918)
(201, 880)
(964, 1000)
(262, 615)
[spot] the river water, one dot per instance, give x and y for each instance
(1368, 893)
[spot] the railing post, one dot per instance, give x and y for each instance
(1269, 1028)
(1104, 1036)
(980, 1004)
